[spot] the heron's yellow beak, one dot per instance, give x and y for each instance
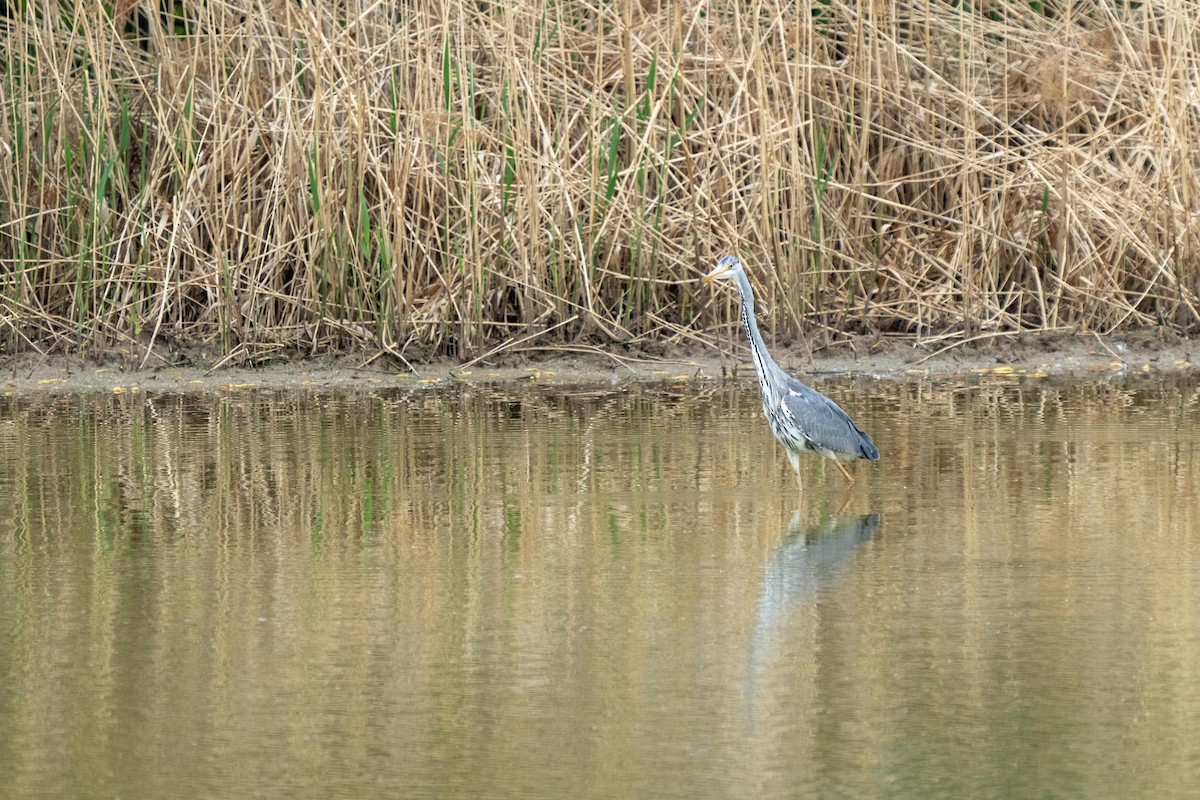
(716, 273)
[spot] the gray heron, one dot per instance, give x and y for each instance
(802, 419)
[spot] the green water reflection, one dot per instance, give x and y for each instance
(600, 594)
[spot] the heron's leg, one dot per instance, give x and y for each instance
(845, 472)
(795, 459)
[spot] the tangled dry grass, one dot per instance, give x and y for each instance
(450, 176)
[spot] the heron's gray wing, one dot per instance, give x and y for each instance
(824, 424)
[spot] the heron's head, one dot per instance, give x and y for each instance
(727, 268)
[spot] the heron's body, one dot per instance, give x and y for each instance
(802, 419)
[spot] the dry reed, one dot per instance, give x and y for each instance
(449, 176)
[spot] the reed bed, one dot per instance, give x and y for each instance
(447, 177)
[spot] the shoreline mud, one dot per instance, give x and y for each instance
(1030, 356)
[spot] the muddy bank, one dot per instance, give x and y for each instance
(1028, 356)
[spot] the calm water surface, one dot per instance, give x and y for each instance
(600, 594)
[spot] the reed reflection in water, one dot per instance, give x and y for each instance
(599, 594)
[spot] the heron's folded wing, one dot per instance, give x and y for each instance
(825, 425)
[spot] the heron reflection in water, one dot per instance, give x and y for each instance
(802, 419)
(808, 561)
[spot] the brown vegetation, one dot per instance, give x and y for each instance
(452, 177)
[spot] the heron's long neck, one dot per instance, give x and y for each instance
(763, 363)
